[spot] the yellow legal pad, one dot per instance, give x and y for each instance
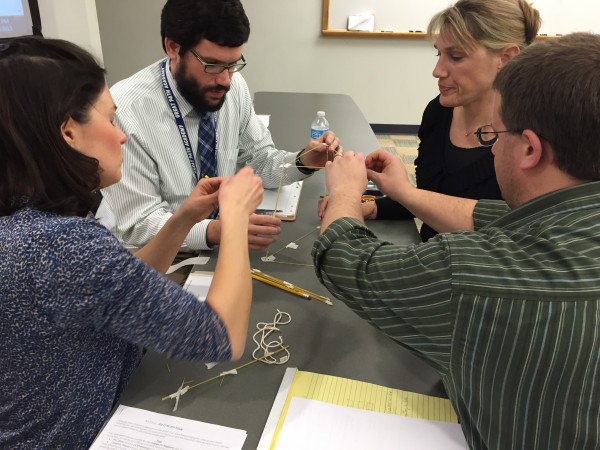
(367, 396)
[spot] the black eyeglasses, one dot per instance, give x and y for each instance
(487, 130)
(219, 68)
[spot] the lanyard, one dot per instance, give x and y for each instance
(178, 119)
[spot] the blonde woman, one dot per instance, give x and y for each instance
(474, 39)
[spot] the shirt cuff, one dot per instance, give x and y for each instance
(196, 238)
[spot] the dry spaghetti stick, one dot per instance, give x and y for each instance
(295, 240)
(278, 194)
(167, 397)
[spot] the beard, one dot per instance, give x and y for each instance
(195, 93)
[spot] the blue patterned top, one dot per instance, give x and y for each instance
(75, 310)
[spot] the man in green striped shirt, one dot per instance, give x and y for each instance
(505, 304)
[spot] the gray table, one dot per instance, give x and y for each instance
(325, 339)
(292, 113)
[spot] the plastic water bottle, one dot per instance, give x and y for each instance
(319, 125)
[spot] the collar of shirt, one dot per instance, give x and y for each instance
(563, 201)
(185, 108)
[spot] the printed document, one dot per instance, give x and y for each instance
(134, 428)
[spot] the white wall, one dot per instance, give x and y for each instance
(72, 20)
(390, 80)
(559, 16)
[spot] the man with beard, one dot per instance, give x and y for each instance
(190, 116)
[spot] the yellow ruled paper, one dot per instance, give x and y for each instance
(367, 396)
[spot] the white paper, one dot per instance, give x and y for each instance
(133, 428)
(287, 204)
(198, 284)
(284, 388)
(315, 425)
(361, 22)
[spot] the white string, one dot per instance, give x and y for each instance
(177, 395)
(264, 331)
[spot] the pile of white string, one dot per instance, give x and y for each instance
(261, 337)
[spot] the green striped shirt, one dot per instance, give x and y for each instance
(509, 315)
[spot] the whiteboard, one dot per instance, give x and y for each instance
(558, 16)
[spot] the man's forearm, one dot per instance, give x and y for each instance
(443, 213)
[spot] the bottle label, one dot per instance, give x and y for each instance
(316, 133)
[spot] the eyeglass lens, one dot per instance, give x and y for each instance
(218, 68)
(486, 136)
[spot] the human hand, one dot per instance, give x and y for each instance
(388, 173)
(322, 206)
(369, 209)
(238, 198)
(240, 194)
(346, 180)
(202, 200)
(263, 230)
(319, 151)
(346, 176)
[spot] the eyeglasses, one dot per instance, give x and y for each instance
(487, 130)
(219, 68)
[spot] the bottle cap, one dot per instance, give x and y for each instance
(320, 113)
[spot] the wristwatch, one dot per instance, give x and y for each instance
(303, 170)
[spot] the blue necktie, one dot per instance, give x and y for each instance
(207, 150)
(206, 147)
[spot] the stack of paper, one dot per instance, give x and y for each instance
(323, 412)
(198, 283)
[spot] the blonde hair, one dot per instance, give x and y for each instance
(493, 24)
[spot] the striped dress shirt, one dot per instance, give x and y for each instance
(509, 315)
(157, 174)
